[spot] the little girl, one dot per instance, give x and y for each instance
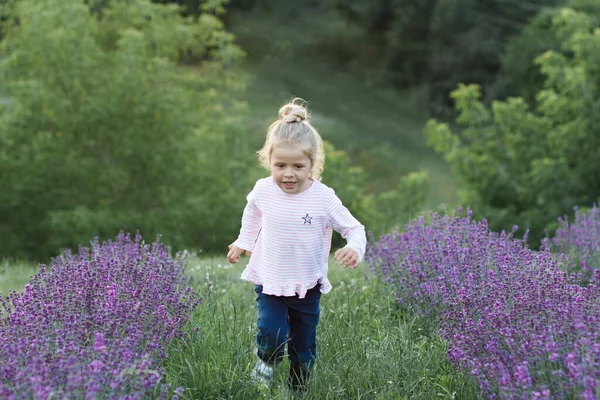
(286, 228)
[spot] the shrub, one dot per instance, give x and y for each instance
(95, 324)
(104, 129)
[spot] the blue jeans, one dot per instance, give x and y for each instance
(291, 320)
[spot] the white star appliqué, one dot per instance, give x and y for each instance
(307, 219)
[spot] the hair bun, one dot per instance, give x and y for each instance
(292, 112)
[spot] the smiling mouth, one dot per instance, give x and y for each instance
(289, 185)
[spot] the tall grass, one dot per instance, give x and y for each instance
(368, 348)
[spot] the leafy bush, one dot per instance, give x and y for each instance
(522, 165)
(103, 130)
(520, 75)
(95, 324)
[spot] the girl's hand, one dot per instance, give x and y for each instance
(347, 257)
(235, 252)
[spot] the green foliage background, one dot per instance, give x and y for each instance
(405, 43)
(105, 128)
(140, 115)
(526, 164)
(105, 131)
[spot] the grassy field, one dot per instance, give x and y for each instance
(368, 349)
(381, 128)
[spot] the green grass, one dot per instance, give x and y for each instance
(381, 128)
(368, 348)
(15, 275)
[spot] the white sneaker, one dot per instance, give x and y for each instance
(262, 374)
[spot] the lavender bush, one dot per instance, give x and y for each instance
(438, 258)
(529, 334)
(579, 240)
(95, 324)
(525, 328)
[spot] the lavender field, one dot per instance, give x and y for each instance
(523, 322)
(145, 115)
(368, 347)
(94, 324)
(444, 309)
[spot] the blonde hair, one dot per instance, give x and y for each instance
(293, 128)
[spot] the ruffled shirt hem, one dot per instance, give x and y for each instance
(275, 289)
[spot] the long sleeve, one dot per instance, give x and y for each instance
(251, 224)
(344, 222)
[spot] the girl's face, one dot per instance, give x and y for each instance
(290, 169)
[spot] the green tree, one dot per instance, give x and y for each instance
(520, 75)
(102, 129)
(525, 164)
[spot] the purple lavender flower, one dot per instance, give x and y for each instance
(523, 326)
(579, 241)
(94, 324)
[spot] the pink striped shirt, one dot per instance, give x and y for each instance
(290, 237)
